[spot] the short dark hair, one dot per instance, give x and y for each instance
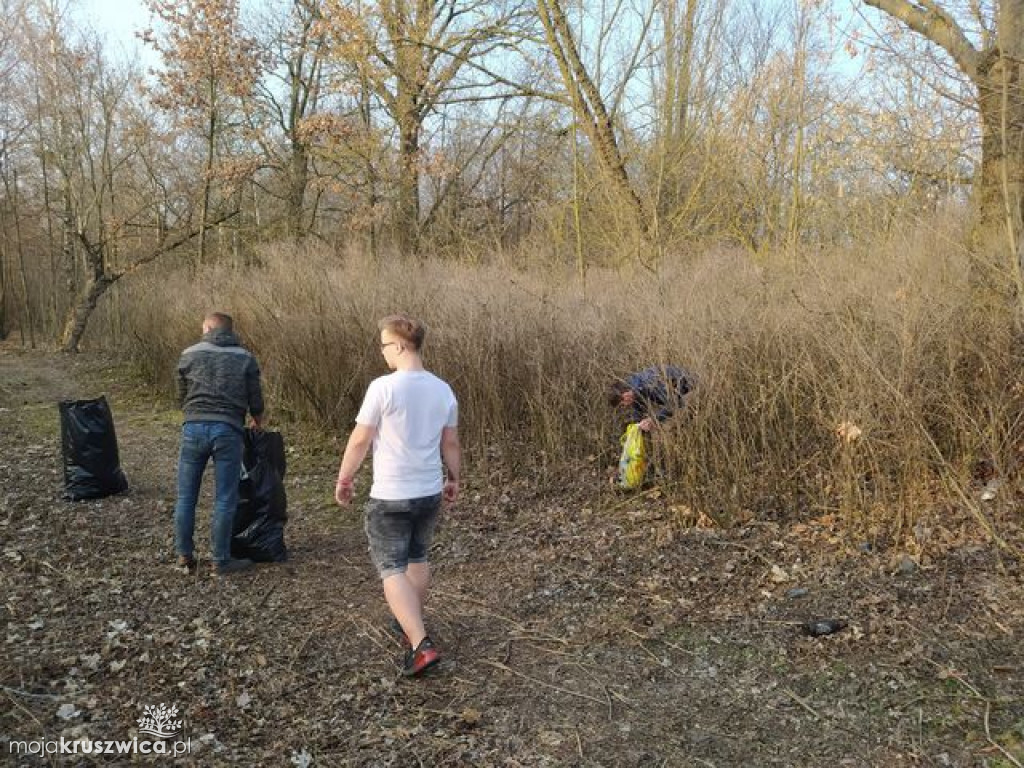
(220, 320)
(411, 331)
(615, 392)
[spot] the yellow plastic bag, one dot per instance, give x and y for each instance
(633, 462)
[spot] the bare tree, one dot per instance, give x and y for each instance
(103, 146)
(209, 65)
(11, 126)
(290, 92)
(995, 68)
(410, 57)
(594, 116)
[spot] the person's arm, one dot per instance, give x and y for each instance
(254, 392)
(651, 407)
(451, 454)
(358, 445)
(182, 383)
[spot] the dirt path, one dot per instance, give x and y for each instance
(578, 628)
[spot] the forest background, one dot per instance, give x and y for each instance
(815, 206)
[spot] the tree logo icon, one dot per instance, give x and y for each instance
(160, 721)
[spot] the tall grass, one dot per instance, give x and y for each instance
(884, 336)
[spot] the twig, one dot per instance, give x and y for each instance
(820, 717)
(537, 637)
(620, 697)
(634, 497)
(21, 706)
(579, 744)
(952, 675)
(519, 627)
(745, 548)
(28, 695)
(654, 656)
(506, 668)
(664, 642)
(266, 597)
(993, 742)
(988, 709)
(803, 704)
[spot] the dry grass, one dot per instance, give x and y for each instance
(886, 337)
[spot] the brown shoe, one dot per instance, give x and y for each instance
(187, 563)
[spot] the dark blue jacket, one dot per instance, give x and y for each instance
(659, 390)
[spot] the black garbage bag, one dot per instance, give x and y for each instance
(262, 541)
(262, 504)
(92, 465)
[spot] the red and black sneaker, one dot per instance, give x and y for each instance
(421, 659)
(397, 631)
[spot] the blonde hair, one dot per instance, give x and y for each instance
(404, 327)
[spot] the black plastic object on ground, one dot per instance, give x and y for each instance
(262, 504)
(92, 465)
(820, 627)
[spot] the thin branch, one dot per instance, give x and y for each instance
(938, 26)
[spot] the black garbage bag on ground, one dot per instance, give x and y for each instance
(262, 541)
(92, 465)
(262, 504)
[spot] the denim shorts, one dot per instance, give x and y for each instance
(400, 532)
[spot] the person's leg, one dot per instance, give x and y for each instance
(389, 528)
(192, 459)
(404, 601)
(419, 576)
(227, 442)
(424, 514)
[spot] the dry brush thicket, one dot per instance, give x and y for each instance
(864, 381)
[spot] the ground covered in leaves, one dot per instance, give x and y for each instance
(579, 628)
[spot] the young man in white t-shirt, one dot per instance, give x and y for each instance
(410, 418)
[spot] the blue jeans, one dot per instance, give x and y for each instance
(201, 440)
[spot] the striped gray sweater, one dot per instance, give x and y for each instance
(219, 380)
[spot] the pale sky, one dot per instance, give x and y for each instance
(117, 21)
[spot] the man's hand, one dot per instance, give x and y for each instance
(450, 492)
(343, 491)
(647, 424)
(257, 421)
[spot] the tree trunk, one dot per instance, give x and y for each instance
(78, 317)
(408, 223)
(11, 188)
(1001, 97)
(3, 280)
(593, 115)
(47, 208)
(679, 46)
(298, 180)
(997, 73)
(211, 148)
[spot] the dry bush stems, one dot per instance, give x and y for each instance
(863, 382)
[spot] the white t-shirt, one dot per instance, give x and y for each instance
(408, 409)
